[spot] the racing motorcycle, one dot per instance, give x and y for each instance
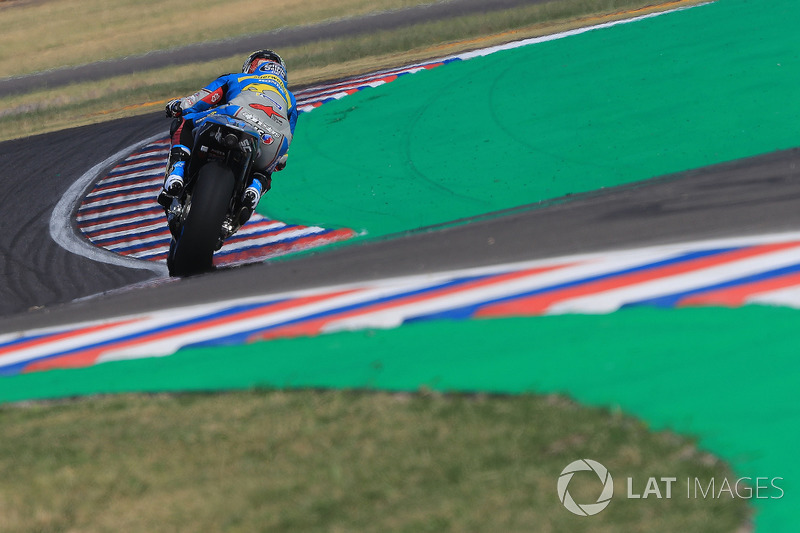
(210, 208)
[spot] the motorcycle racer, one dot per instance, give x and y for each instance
(260, 97)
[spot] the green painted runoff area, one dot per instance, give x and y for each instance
(680, 91)
(620, 105)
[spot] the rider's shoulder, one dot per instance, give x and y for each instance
(221, 80)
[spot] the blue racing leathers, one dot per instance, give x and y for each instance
(260, 99)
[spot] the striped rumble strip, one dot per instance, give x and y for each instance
(761, 270)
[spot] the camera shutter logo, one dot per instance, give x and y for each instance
(588, 509)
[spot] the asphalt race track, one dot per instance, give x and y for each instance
(746, 197)
(35, 270)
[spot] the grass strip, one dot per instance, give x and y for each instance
(338, 461)
(36, 35)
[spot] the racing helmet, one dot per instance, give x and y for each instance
(253, 62)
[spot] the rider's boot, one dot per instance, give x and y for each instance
(253, 193)
(173, 178)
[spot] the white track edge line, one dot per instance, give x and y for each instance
(65, 235)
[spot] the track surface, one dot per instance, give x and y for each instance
(747, 197)
(34, 271)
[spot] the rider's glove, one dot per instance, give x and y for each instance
(282, 162)
(173, 108)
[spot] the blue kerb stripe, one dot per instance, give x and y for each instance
(138, 160)
(144, 157)
(136, 168)
(156, 211)
(132, 226)
(150, 255)
(155, 178)
(134, 247)
(142, 245)
(468, 311)
(17, 367)
(29, 338)
(132, 167)
(12, 370)
(119, 204)
(132, 236)
(241, 337)
(672, 300)
(144, 187)
(155, 145)
(459, 313)
(224, 252)
(151, 150)
(126, 226)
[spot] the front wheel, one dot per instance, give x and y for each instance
(192, 251)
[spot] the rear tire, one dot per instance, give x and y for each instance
(193, 250)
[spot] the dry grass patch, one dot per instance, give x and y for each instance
(336, 461)
(37, 36)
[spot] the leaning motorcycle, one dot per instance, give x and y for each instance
(210, 208)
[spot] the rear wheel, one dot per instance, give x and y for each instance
(191, 252)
